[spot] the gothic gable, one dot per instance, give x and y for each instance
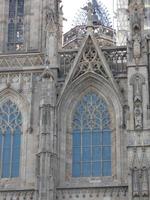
(90, 59)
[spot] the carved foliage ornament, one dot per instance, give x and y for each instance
(90, 61)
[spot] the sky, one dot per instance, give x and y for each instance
(72, 7)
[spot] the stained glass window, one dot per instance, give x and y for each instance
(10, 139)
(16, 25)
(91, 142)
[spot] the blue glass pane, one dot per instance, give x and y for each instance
(6, 154)
(76, 138)
(86, 154)
(106, 137)
(96, 137)
(86, 169)
(15, 170)
(16, 152)
(76, 172)
(96, 153)
(76, 154)
(86, 138)
(106, 169)
(106, 153)
(96, 168)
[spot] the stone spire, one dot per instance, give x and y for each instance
(53, 31)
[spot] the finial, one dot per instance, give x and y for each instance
(89, 9)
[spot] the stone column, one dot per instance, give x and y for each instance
(138, 103)
(47, 158)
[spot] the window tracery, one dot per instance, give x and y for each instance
(91, 146)
(10, 139)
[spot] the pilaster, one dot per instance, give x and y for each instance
(138, 102)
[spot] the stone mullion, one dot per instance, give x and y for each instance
(1, 164)
(11, 155)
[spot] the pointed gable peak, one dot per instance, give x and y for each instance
(90, 59)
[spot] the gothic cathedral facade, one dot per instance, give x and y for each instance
(74, 118)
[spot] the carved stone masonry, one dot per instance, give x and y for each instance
(137, 81)
(90, 61)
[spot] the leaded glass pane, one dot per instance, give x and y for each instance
(76, 169)
(11, 31)
(86, 169)
(86, 138)
(10, 139)
(106, 137)
(106, 153)
(12, 8)
(91, 137)
(76, 154)
(106, 166)
(96, 137)
(96, 168)
(76, 138)
(86, 153)
(96, 153)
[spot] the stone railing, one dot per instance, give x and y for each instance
(17, 194)
(73, 38)
(117, 60)
(66, 59)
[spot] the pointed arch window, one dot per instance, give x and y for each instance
(91, 143)
(10, 139)
(16, 18)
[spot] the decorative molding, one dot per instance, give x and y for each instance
(18, 195)
(16, 77)
(21, 60)
(72, 193)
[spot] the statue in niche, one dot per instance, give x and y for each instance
(140, 176)
(135, 182)
(138, 114)
(145, 182)
(137, 81)
(136, 47)
(135, 174)
(136, 26)
(144, 174)
(45, 113)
